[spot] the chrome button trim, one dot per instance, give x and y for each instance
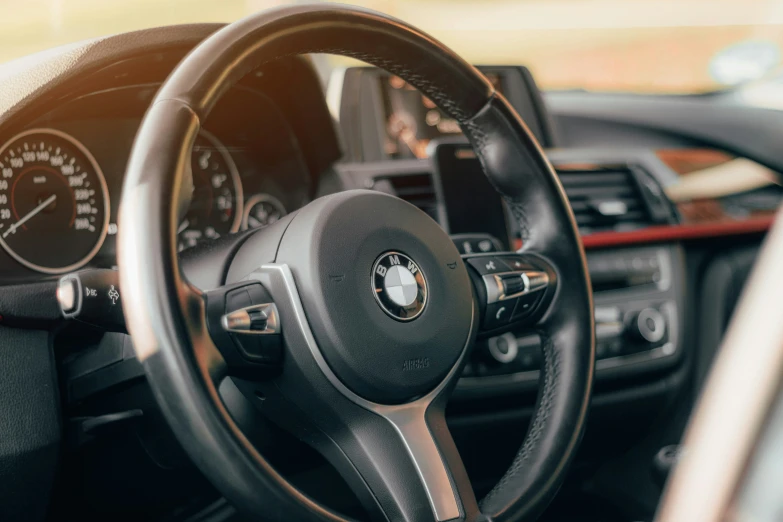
(249, 320)
(534, 280)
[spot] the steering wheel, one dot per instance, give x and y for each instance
(351, 319)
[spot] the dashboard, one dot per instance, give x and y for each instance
(266, 150)
(384, 118)
(672, 189)
(645, 198)
(633, 206)
(659, 202)
(61, 177)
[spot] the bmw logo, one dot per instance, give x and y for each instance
(399, 286)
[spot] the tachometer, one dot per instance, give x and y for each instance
(262, 210)
(216, 206)
(54, 203)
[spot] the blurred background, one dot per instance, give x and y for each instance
(654, 46)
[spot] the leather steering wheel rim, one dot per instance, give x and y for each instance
(164, 312)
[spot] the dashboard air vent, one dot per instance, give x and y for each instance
(415, 188)
(609, 198)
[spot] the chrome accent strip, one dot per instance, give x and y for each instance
(104, 190)
(407, 419)
(534, 280)
(494, 288)
(239, 321)
(665, 267)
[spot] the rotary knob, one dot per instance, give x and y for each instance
(503, 348)
(648, 325)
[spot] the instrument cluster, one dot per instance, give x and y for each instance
(61, 178)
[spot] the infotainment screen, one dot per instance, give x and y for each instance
(472, 205)
(412, 120)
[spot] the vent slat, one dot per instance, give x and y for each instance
(614, 178)
(605, 191)
(605, 199)
(583, 205)
(630, 217)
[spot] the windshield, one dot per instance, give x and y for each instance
(656, 46)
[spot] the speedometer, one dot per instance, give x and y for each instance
(54, 210)
(216, 207)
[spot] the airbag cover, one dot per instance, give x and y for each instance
(331, 247)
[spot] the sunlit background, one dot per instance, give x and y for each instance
(661, 46)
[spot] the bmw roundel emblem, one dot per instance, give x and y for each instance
(399, 286)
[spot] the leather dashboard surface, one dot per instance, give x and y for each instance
(41, 76)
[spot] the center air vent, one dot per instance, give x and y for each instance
(611, 198)
(415, 188)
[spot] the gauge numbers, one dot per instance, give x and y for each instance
(54, 203)
(216, 207)
(262, 210)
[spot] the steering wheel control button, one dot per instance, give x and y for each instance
(257, 320)
(239, 298)
(499, 314)
(92, 296)
(503, 348)
(254, 331)
(516, 263)
(399, 286)
(245, 325)
(485, 265)
(476, 243)
(526, 305)
(512, 287)
(509, 285)
(261, 349)
(514, 284)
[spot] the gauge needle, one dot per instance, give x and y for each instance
(48, 201)
(183, 226)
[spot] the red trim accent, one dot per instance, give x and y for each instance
(661, 234)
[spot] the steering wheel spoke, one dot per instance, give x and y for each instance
(399, 459)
